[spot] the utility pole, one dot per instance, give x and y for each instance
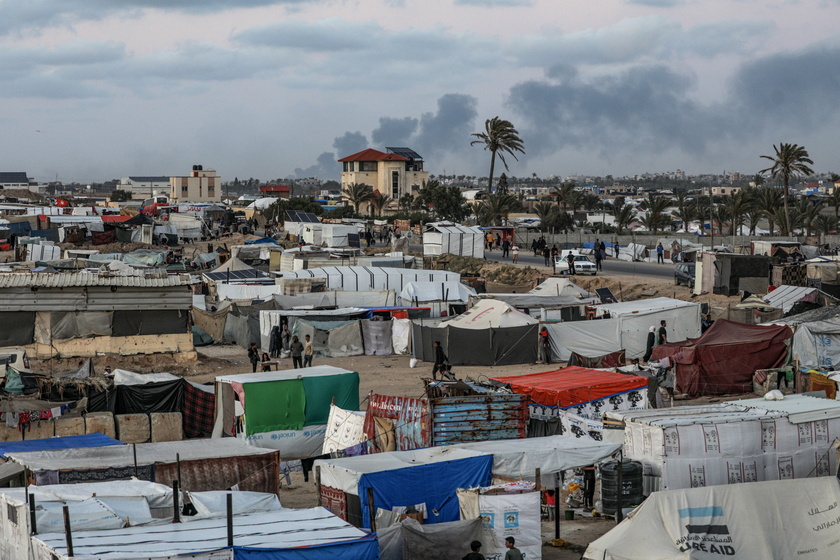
(712, 216)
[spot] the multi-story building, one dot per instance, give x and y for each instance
(201, 185)
(142, 187)
(393, 173)
(276, 191)
(13, 180)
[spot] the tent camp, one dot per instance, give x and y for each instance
(758, 521)
(725, 358)
(732, 442)
(438, 296)
(441, 238)
(553, 299)
(427, 477)
(490, 333)
(284, 410)
(301, 534)
(204, 464)
(364, 278)
(578, 397)
(625, 329)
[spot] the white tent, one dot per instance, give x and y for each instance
(816, 344)
(436, 295)
(759, 521)
(487, 314)
(331, 235)
(445, 237)
(262, 203)
(364, 278)
(555, 286)
(626, 329)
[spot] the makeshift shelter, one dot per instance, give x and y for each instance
(816, 345)
(409, 539)
(737, 441)
(285, 410)
(577, 397)
(438, 296)
(626, 328)
(441, 238)
(301, 534)
(335, 299)
(724, 359)
(555, 298)
(354, 487)
(490, 333)
(95, 439)
(743, 521)
(785, 297)
(363, 278)
(204, 464)
(329, 235)
(729, 273)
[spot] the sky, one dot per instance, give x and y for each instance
(92, 90)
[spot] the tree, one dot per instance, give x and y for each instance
(544, 211)
(808, 213)
(623, 214)
(768, 199)
(738, 204)
(503, 184)
(406, 202)
(447, 203)
(119, 195)
(834, 200)
(656, 218)
(789, 161)
(380, 202)
(564, 193)
(496, 208)
(357, 193)
(825, 224)
(499, 137)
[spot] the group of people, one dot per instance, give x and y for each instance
(655, 338)
(512, 553)
(280, 342)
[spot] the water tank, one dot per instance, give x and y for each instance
(631, 485)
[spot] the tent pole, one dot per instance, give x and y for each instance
(619, 515)
(134, 451)
(178, 466)
(229, 500)
(32, 523)
(372, 510)
(558, 482)
(68, 536)
(176, 518)
(318, 483)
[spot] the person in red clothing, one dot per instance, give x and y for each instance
(546, 345)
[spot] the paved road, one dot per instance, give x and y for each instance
(611, 265)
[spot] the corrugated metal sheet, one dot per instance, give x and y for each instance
(479, 418)
(83, 279)
(409, 418)
(124, 298)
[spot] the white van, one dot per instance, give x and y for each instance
(15, 357)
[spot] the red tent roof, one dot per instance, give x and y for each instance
(373, 155)
(572, 385)
(115, 218)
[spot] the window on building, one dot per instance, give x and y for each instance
(367, 166)
(350, 166)
(395, 185)
(184, 190)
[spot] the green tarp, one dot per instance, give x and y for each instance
(274, 406)
(321, 390)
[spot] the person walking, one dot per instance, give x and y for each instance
(598, 258)
(512, 553)
(253, 356)
(660, 254)
(546, 345)
(440, 360)
(651, 341)
(490, 240)
(588, 487)
(505, 248)
(515, 251)
(547, 255)
(535, 247)
(663, 333)
(498, 241)
(296, 348)
(308, 352)
(476, 554)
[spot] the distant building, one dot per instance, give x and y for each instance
(201, 185)
(393, 173)
(13, 180)
(276, 191)
(142, 187)
(725, 191)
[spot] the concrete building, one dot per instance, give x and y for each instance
(143, 187)
(13, 180)
(276, 191)
(201, 185)
(393, 173)
(725, 190)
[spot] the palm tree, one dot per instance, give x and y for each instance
(656, 218)
(758, 180)
(789, 161)
(623, 214)
(380, 202)
(809, 213)
(834, 200)
(738, 204)
(563, 193)
(499, 137)
(768, 199)
(357, 193)
(825, 224)
(686, 214)
(754, 215)
(495, 208)
(544, 211)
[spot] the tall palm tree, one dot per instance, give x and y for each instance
(656, 218)
(768, 199)
(754, 215)
(758, 180)
(564, 193)
(623, 214)
(544, 211)
(499, 137)
(738, 204)
(825, 224)
(380, 202)
(496, 208)
(834, 200)
(686, 213)
(789, 161)
(357, 193)
(809, 213)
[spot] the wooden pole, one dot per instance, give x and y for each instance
(32, 524)
(68, 535)
(619, 502)
(558, 483)
(134, 451)
(372, 509)
(176, 499)
(229, 499)
(318, 483)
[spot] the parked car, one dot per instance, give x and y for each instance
(14, 357)
(582, 265)
(684, 274)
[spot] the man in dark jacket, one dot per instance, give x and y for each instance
(296, 349)
(440, 360)
(253, 356)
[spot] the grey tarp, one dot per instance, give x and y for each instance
(478, 347)
(333, 339)
(210, 322)
(377, 338)
(409, 540)
(60, 325)
(242, 325)
(149, 321)
(17, 328)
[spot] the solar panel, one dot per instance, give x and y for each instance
(406, 153)
(299, 216)
(354, 240)
(239, 275)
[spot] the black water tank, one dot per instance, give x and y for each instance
(631, 483)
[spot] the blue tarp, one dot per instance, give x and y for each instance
(433, 484)
(262, 240)
(20, 228)
(591, 244)
(95, 439)
(50, 234)
(365, 548)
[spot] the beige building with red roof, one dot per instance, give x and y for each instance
(393, 173)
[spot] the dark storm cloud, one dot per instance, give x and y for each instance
(17, 16)
(326, 168)
(349, 143)
(446, 129)
(394, 132)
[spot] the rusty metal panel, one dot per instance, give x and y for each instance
(409, 418)
(479, 418)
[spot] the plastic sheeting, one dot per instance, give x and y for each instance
(213, 323)
(215, 503)
(514, 515)
(743, 521)
(572, 385)
(400, 335)
(817, 345)
(345, 428)
(377, 338)
(409, 540)
(87, 515)
(483, 347)
(17, 328)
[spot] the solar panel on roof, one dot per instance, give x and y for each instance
(405, 152)
(299, 216)
(239, 275)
